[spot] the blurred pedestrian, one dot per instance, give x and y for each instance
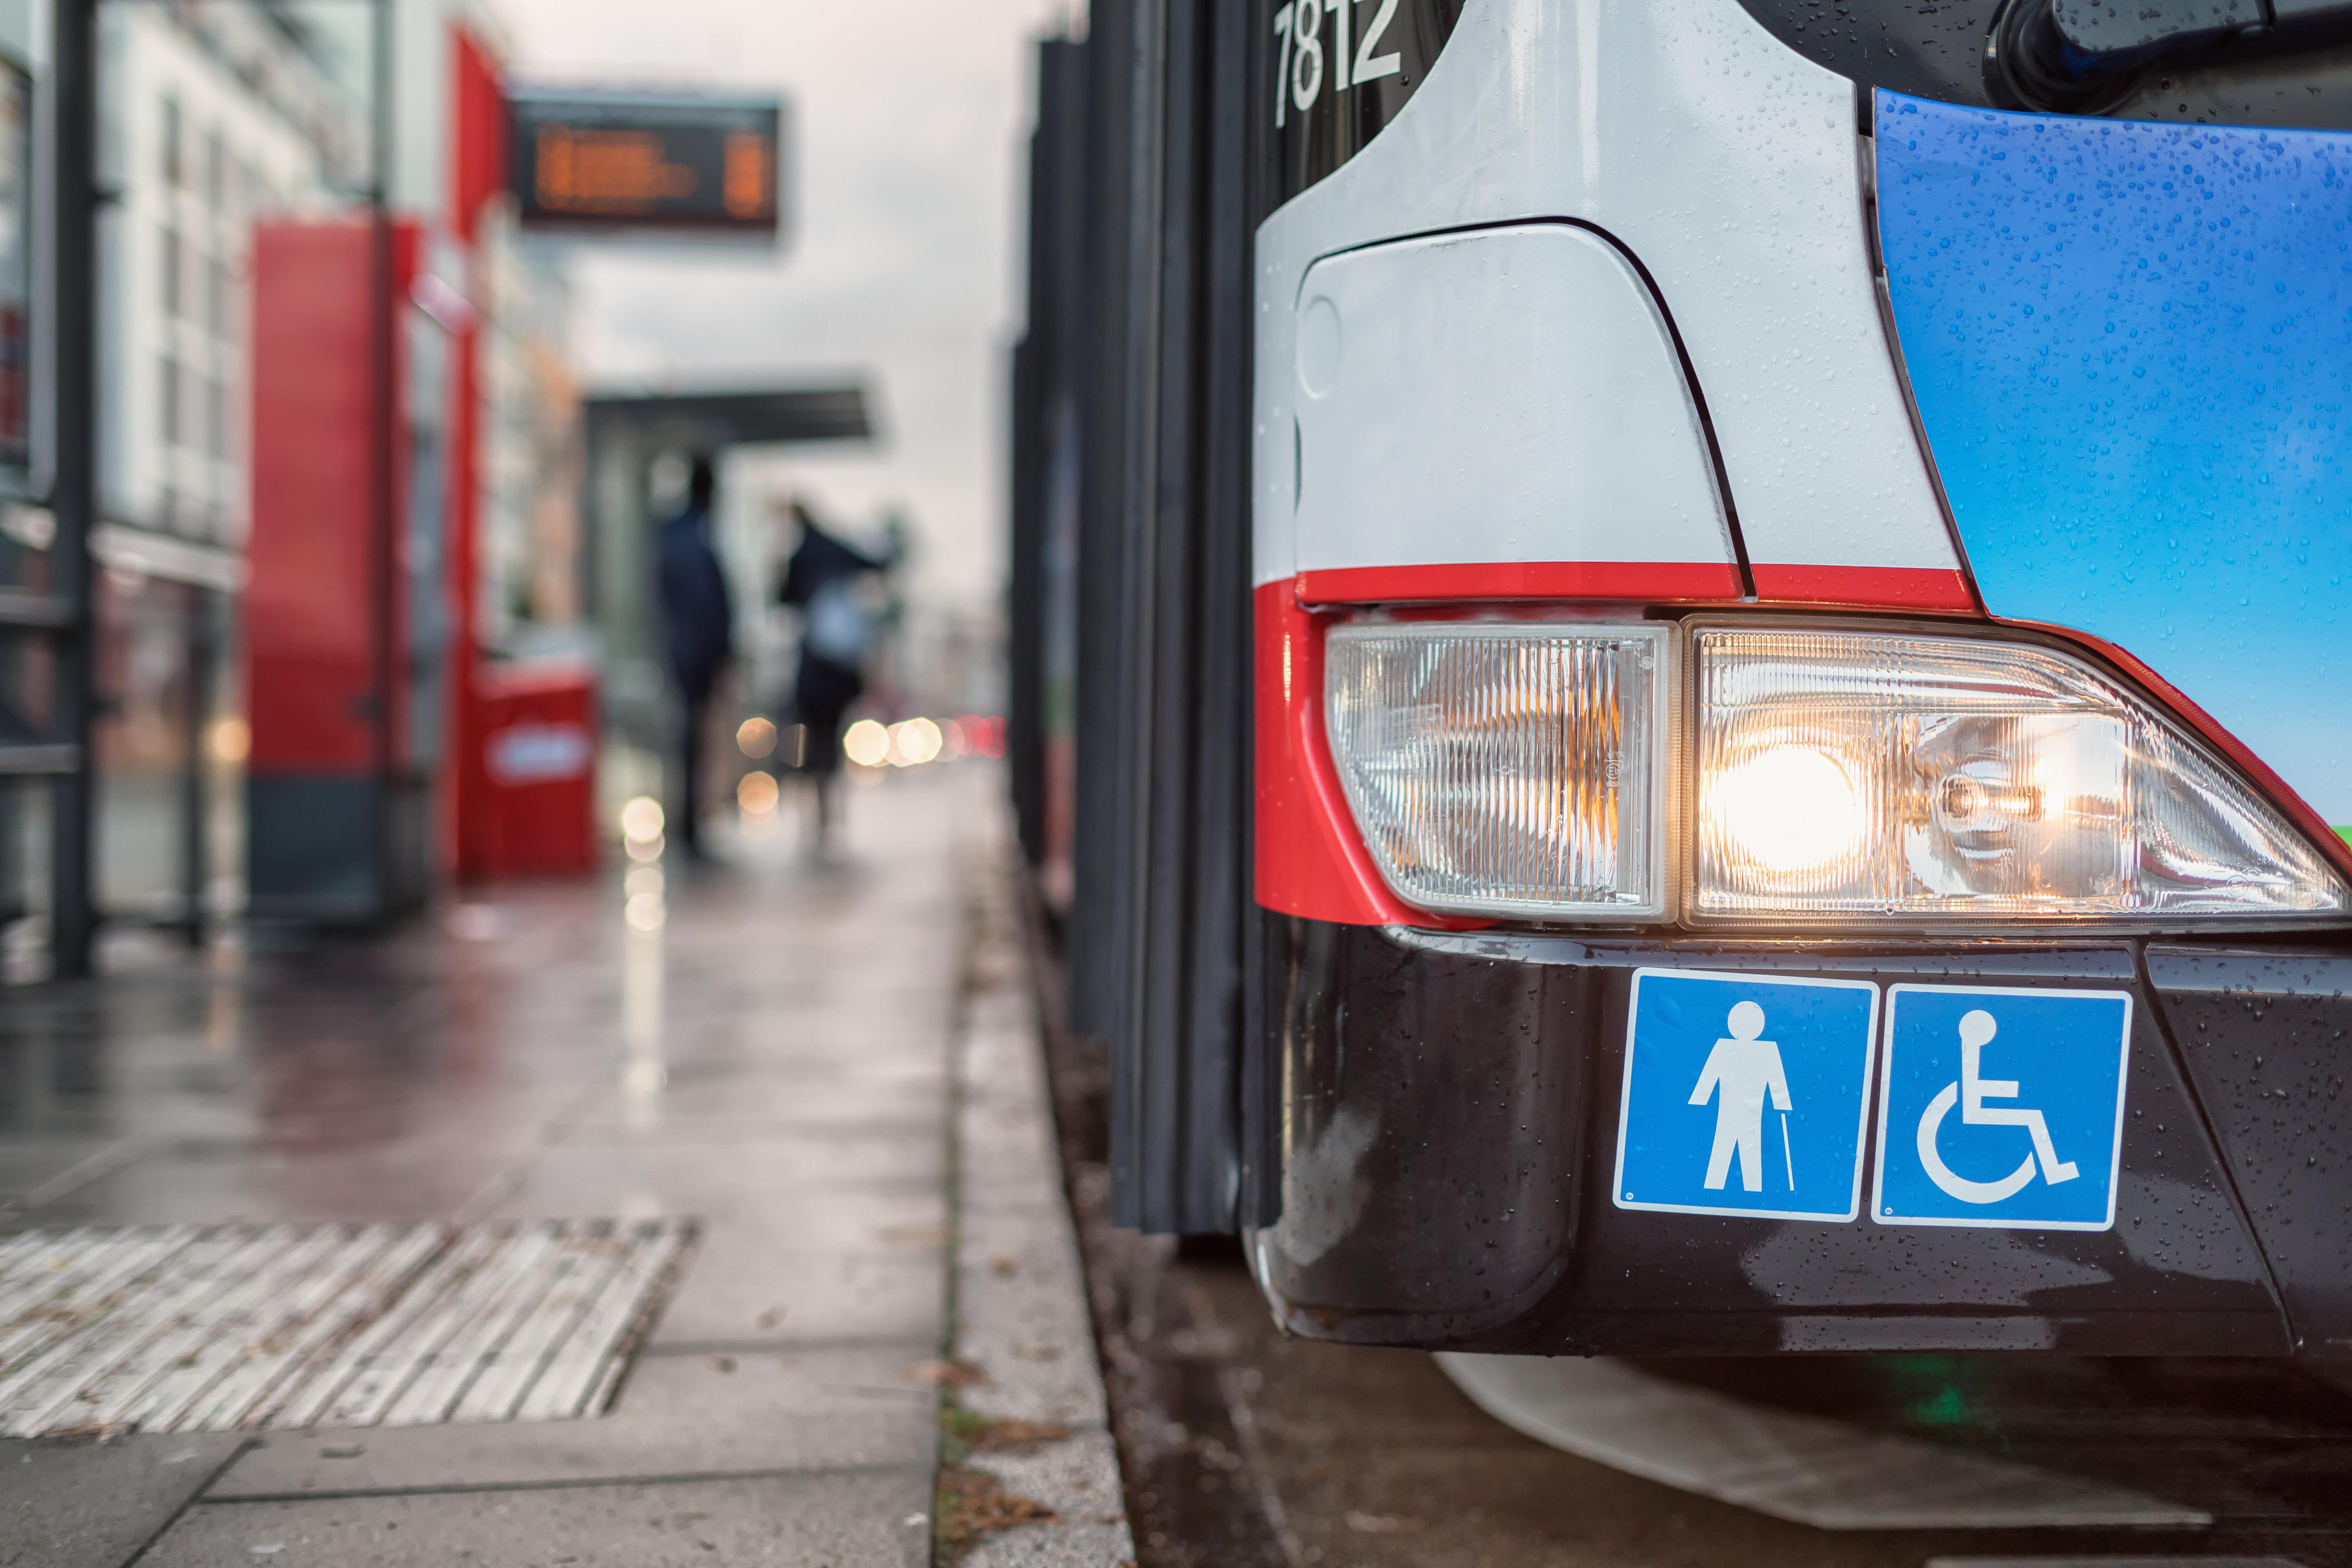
(698, 633)
(824, 581)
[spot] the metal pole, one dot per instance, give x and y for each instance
(195, 795)
(382, 416)
(72, 914)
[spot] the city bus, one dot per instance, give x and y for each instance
(1678, 677)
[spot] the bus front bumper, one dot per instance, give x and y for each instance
(1436, 1122)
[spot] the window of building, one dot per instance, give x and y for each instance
(215, 173)
(217, 295)
(174, 166)
(168, 261)
(216, 417)
(168, 380)
(15, 265)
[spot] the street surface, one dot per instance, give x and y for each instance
(770, 1053)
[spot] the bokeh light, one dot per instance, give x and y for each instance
(982, 737)
(231, 739)
(914, 742)
(867, 743)
(757, 794)
(641, 820)
(756, 737)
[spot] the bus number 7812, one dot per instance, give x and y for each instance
(1299, 26)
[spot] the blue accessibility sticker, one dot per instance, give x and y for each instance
(1745, 1095)
(2002, 1110)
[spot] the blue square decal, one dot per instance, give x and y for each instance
(1745, 1095)
(2001, 1110)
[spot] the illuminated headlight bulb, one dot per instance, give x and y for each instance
(1789, 810)
(1979, 800)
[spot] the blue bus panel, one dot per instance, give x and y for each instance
(2131, 347)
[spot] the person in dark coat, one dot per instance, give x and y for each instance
(698, 632)
(823, 581)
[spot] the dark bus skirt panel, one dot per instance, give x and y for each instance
(1440, 1130)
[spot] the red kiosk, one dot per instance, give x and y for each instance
(343, 608)
(521, 800)
(364, 664)
(367, 668)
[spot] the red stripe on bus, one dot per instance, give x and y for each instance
(1310, 860)
(1875, 587)
(1648, 580)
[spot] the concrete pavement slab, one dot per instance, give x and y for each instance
(851, 1519)
(825, 1015)
(1034, 1422)
(702, 1415)
(1078, 1479)
(1020, 1313)
(769, 1092)
(787, 1215)
(740, 1290)
(28, 1165)
(213, 1183)
(88, 1505)
(777, 1074)
(658, 1130)
(705, 1177)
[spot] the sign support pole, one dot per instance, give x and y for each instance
(384, 415)
(73, 919)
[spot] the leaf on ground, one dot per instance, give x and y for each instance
(972, 1505)
(1017, 1437)
(951, 1373)
(970, 1431)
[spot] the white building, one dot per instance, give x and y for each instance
(214, 117)
(530, 466)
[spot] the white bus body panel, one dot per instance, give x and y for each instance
(1511, 392)
(1728, 167)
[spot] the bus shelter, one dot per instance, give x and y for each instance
(626, 435)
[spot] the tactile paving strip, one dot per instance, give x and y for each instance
(240, 1327)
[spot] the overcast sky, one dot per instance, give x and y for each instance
(910, 122)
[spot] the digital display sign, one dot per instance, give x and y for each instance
(632, 162)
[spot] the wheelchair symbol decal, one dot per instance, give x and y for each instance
(1948, 1130)
(1970, 1093)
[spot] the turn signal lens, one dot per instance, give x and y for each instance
(1507, 769)
(1877, 773)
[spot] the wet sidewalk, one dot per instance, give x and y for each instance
(679, 1153)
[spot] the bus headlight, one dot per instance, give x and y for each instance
(1861, 775)
(1508, 768)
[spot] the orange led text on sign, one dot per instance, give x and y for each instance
(609, 170)
(747, 178)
